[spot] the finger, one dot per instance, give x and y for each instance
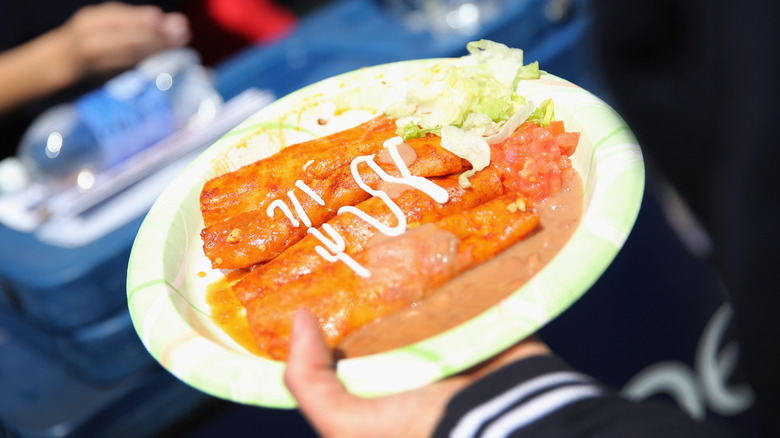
(311, 378)
(150, 32)
(121, 14)
(308, 352)
(176, 29)
(114, 36)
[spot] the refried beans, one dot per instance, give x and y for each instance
(480, 288)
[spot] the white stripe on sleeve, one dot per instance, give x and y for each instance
(537, 408)
(473, 421)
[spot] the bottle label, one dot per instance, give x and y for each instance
(127, 115)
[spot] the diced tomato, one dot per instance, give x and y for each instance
(567, 141)
(556, 127)
(535, 160)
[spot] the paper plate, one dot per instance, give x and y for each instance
(166, 283)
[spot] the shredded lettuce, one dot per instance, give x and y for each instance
(468, 145)
(466, 100)
(502, 62)
(543, 114)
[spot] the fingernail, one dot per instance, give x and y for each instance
(152, 14)
(176, 29)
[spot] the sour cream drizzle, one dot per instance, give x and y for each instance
(335, 244)
(306, 189)
(278, 203)
(337, 247)
(299, 209)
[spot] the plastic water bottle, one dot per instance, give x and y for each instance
(68, 145)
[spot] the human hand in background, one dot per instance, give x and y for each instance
(114, 36)
(100, 39)
(334, 412)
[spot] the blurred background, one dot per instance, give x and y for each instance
(71, 364)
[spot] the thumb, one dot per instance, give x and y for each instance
(311, 377)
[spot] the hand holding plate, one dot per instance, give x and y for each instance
(333, 411)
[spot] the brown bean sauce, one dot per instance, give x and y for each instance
(477, 290)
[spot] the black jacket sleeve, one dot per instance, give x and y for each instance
(543, 397)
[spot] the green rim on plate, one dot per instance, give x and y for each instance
(166, 284)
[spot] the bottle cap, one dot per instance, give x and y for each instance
(14, 177)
